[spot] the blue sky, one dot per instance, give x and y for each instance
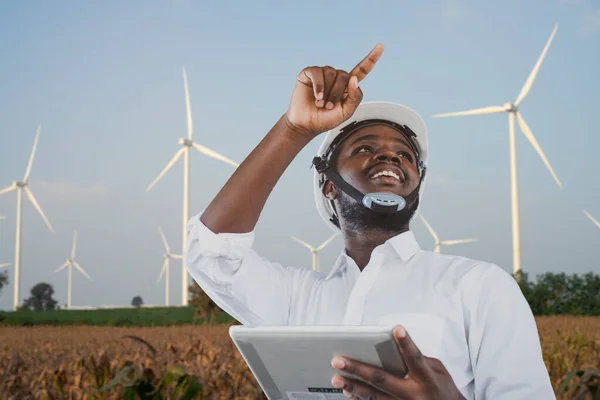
(104, 80)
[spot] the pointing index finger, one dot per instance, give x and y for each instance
(362, 69)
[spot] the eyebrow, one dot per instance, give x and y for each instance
(367, 137)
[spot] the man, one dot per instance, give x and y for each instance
(463, 325)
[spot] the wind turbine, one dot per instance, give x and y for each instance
(72, 263)
(186, 144)
(594, 220)
(315, 250)
(166, 265)
(438, 242)
(21, 186)
(513, 111)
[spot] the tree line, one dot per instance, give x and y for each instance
(549, 294)
(559, 293)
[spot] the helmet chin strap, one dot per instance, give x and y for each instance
(381, 202)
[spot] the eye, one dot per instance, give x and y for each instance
(362, 149)
(406, 155)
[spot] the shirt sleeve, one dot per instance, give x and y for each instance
(250, 288)
(504, 343)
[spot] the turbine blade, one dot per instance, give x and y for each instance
(216, 155)
(429, 228)
(536, 146)
(62, 266)
(164, 171)
(594, 220)
(325, 243)
(457, 241)
(188, 107)
(30, 163)
(8, 189)
(38, 208)
(476, 111)
(176, 256)
(5, 265)
(81, 270)
(163, 269)
(303, 243)
(164, 239)
(74, 244)
(535, 69)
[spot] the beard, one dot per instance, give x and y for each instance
(355, 217)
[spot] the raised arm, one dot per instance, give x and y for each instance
(323, 98)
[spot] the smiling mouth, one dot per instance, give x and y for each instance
(387, 175)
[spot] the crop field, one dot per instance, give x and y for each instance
(75, 362)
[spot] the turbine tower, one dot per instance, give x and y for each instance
(21, 186)
(438, 242)
(186, 144)
(315, 250)
(594, 220)
(513, 112)
(72, 263)
(166, 265)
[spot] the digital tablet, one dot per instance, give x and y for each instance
(294, 362)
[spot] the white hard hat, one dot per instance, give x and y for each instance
(388, 111)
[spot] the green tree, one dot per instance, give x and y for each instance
(204, 307)
(559, 293)
(3, 280)
(41, 298)
(137, 301)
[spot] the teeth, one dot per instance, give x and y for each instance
(386, 173)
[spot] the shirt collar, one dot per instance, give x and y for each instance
(405, 245)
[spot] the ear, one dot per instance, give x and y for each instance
(329, 190)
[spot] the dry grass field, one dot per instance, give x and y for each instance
(75, 362)
(570, 344)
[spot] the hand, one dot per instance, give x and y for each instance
(325, 97)
(428, 379)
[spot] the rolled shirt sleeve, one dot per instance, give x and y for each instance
(504, 343)
(250, 288)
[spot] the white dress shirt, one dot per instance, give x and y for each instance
(469, 314)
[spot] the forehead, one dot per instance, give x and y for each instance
(374, 133)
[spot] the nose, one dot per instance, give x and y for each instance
(388, 155)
